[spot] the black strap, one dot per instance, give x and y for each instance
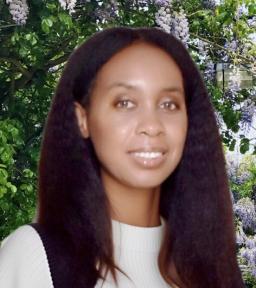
(65, 272)
(57, 258)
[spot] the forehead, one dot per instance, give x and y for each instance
(140, 62)
(142, 68)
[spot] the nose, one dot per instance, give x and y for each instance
(150, 124)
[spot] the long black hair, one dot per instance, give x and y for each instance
(199, 247)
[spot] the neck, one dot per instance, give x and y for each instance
(137, 207)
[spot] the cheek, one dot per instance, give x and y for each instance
(177, 138)
(178, 129)
(109, 135)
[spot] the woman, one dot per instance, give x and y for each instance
(131, 142)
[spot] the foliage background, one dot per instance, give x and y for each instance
(37, 36)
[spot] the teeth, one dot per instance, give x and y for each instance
(148, 154)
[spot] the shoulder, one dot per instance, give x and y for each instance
(22, 235)
(20, 242)
(23, 259)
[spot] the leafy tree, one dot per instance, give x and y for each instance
(37, 36)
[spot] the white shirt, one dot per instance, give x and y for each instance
(23, 260)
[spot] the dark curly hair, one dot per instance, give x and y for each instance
(199, 247)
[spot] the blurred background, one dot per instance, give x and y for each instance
(36, 38)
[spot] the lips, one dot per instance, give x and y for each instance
(148, 162)
(149, 149)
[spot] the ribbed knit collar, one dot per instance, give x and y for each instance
(136, 238)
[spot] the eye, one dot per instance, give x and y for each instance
(171, 105)
(123, 103)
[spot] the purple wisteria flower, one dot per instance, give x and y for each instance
(241, 10)
(230, 94)
(235, 196)
(244, 209)
(241, 237)
(219, 119)
(252, 22)
(203, 48)
(247, 113)
(250, 242)
(163, 18)
(243, 177)
(231, 168)
(209, 4)
(180, 26)
(173, 22)
(68, 5)
(19, 11)
(142, 3)
(247, 253)
(233, 46)
(249, 257)
(163, 2)
(209, 71)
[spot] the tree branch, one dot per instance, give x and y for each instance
(17, 64)
(7, 26)
(221, 47)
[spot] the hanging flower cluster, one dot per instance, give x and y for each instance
(180, 26)
(245, 214)
(241, 237)
(68, 5)
(241, 10)
(235, 177)
(19, 11)
(172, 21)
(163, 18)
(245, 210)
(248, 111)
(209, 71)
(247, 254)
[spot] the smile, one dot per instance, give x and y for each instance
(148, 155)
(148, 159)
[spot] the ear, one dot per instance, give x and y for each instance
(81, 119)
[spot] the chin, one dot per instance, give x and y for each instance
(145, 184)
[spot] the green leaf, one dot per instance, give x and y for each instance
(46, 24)
(3, 181)
(66, 19)
(3, 190)
(5, 157)
(28, 36)
(23, 186)
(3, 173)
(244, 145)
(28, 173)
(12, 187)
(15, 38)
(51, 6)
(252, 9)
(3, 138)
(232, 145)
(29, 187)
(31, 37)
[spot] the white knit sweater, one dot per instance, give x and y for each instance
(23, 260)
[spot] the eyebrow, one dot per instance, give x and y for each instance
(134, 87)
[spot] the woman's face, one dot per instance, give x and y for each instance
(138, 104)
